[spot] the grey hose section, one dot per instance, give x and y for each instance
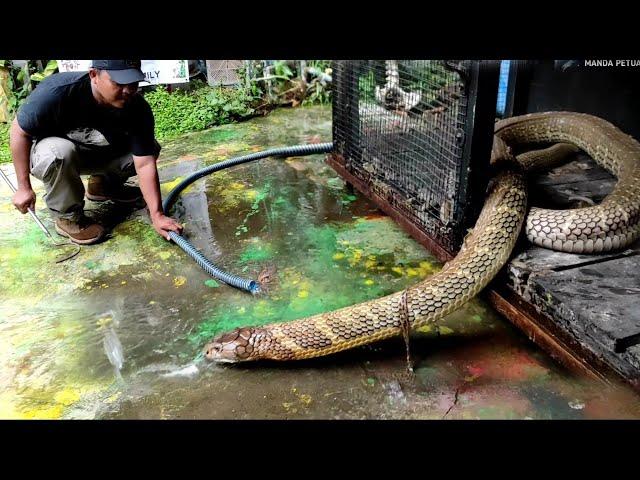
(251, 286)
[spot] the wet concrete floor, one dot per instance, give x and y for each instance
(118, 331)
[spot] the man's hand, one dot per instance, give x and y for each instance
(164, 225)
(24, 198)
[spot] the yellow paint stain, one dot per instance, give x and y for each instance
(445, 330)
(251, 194)
(152, 302)
(179, 281)
(305, 399)
(237, 186)
(81, 282)
(412, 272)
(356, 256)
(338, 256)
(287, 406)
(427, 268)
(424, 329)
(168, 186)
(113, 397)
(398, 270)
(368, 282)
(67, 396)
(124, 282)
(370, 264)
(303, 294)
(46, 413)
(164, 255)
(104, 321)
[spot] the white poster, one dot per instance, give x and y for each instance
(156, 71)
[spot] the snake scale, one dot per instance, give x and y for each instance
(612, 224)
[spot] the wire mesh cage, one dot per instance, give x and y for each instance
(223, 72)
(402, 128)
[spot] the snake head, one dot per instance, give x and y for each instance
(232, 347)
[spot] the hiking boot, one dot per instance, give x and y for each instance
(99, 189)
(84, 231)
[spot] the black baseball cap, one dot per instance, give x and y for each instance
(121, 71)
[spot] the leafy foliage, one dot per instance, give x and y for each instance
(199, 106)
(182, 111)
(5, 154)
(21, 79)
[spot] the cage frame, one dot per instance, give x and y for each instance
(481, 92)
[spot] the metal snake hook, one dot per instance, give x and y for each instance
(43, 228)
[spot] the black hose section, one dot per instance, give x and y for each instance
(251, 286)
(274, 152)
(238, 282)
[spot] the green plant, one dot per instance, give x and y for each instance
(318, 76)
(5, 153)
(203, 107)
(366, 86)
(21, 79)
(49, 69)
(19, 86)
(247, 74)
(281, 69)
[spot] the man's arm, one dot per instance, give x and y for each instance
(150, 187)
(20, 144)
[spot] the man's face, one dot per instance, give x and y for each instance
(109, 92)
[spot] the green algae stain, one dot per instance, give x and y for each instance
(331, 275)
(28, 264)
(91, 265)
(211, 283)
(256, 252)
(220, 134)
(346, 199)
(336, 183)
(382, 237)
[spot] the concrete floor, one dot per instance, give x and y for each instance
(139, 295)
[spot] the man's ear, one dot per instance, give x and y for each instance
(93, 73)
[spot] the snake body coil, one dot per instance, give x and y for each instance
(610, 225)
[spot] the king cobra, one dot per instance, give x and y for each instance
(613, 224)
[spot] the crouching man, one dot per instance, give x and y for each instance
(88, 123)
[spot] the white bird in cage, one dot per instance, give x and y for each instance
(391, 96)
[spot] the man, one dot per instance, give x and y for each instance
(93, 123)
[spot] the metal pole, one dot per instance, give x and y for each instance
(31, 212)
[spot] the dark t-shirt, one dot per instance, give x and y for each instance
(63, 105)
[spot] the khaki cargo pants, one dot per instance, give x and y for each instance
(59, 162)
